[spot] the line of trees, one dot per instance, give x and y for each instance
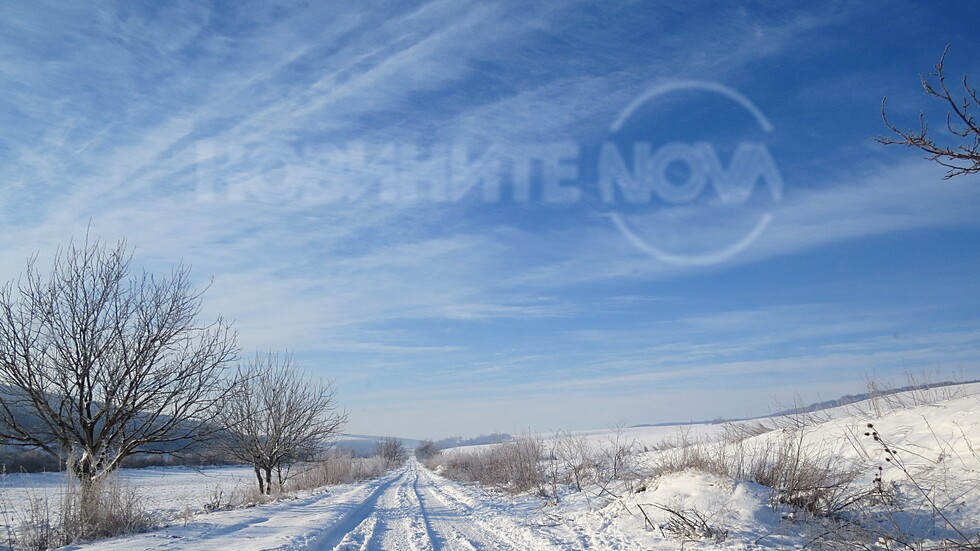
(99, 362)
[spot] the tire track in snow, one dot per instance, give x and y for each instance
(484, 529)
(415, 511)
(391, 518)
(359, 539)
(433, 539)
(461, 523)
(335, 535)
(410, 514)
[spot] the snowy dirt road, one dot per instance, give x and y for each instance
(416, 511)
(409, 509)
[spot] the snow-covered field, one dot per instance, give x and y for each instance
(169, 492)
(936, 439)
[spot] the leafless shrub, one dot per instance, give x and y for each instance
(621, 453)
(220, 498)
(690, 524)
(217, 500)
(576, 461)
(391, 451)
(107, 508)
(931, 491)
(920, 389)
(513, 466)
(426, 449)
(566, 460)
(914, 511)
(334, 468)
(805, 478)
(682, 454)
(738, 431)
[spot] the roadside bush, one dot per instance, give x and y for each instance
(612, 465)
(392, 451)
(803, 477)
(108, 508)
(338, 467)
(426, 450)
(575, 462)
(513, 466)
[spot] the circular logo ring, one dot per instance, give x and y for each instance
(731, 250)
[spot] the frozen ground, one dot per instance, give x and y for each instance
(414, 509)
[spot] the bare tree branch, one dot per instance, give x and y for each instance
(963, 158)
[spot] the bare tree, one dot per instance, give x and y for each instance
(98, 363)
(391, 451)
(426, 450)
(575, 455)
(620, 451)
(962, 158)
(275, 416)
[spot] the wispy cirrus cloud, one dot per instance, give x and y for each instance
(217, 135)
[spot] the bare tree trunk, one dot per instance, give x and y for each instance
(258, 475)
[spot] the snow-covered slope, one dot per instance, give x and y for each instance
(926, 448)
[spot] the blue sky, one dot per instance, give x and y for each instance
(300, 155)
